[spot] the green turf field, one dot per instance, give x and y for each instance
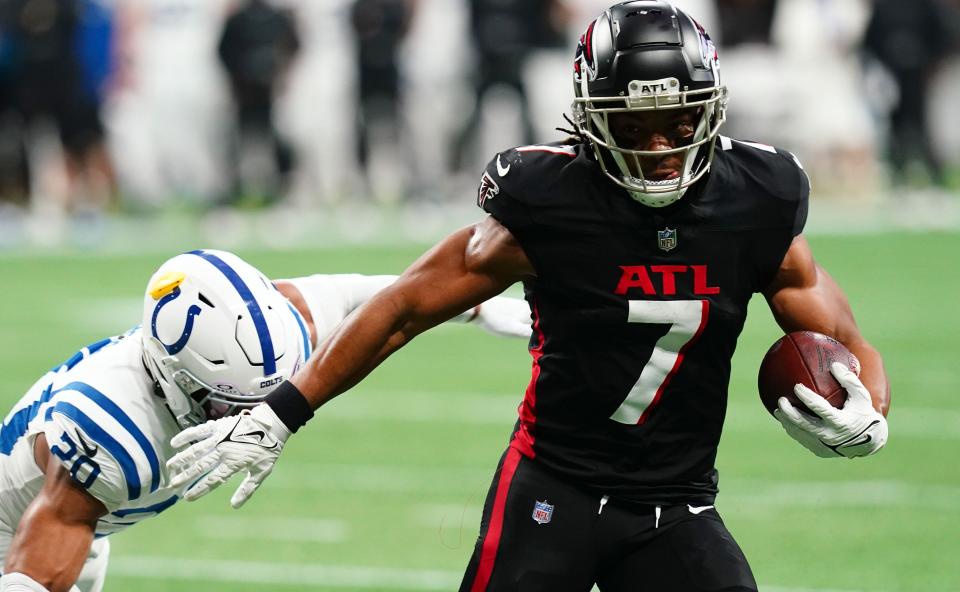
(383, 490)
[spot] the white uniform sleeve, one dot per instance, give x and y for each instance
(18, 582)
(101, 449)
(501, 315)
(331, 298)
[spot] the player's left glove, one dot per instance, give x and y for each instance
(249, 442)
(506, 317)
(855, 430)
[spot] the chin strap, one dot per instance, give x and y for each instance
(657, 200)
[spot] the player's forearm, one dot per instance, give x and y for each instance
(437, 287)
(353, 350)
(48, 549)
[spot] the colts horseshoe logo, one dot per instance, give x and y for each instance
(192, 312)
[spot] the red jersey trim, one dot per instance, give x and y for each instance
(491, 542)
(524, 439)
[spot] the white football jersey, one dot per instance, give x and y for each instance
(107, 427)
(111, 431)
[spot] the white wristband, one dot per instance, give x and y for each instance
(18, 582)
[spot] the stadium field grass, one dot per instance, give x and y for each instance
(383, 490)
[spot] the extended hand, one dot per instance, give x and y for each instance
(506, 317)
(249, 442)
(855, 430)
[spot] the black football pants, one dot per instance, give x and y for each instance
(569, 541)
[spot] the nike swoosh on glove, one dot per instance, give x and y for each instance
(250, 442)
(855, 430)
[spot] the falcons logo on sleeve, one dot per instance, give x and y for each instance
(488, 189)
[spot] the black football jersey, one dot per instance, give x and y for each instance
(637, 310)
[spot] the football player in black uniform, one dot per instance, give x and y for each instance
(639, 244)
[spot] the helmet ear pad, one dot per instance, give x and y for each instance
(643, 57)
(217, 335)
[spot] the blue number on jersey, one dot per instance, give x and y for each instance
(78, 465)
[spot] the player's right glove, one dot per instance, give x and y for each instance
(855, 430)
(249, 442)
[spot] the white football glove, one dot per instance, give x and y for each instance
(505, 317)
(249, 442)
(855, 430)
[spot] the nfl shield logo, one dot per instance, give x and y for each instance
(542, 512)
(667, 239)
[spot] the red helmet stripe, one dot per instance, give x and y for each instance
(588, 45)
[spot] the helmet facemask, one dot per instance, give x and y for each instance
(624, 165)
(191, 400)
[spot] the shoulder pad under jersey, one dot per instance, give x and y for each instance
(100, 445)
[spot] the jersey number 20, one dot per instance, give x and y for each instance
(68, 453)
(687, 319)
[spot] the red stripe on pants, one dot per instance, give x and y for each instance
(491, 542)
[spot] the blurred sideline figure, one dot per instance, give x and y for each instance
(380, 27)
(816, 41)
(83, 453)
(911, 43)
(744, 22)
(56, 62)
(14, 171)
(640, 240)
(168, 116)
(257, 47)
(504, 33)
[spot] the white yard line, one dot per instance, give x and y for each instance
(500, 409)
(380, 478)
(290, 574)
(862, 494)
(304, 530)
(282, 574)
(764, 492)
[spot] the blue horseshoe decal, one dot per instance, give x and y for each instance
(192, 312)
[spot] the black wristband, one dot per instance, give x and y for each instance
(290, 406)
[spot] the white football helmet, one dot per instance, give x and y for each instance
(217, 335)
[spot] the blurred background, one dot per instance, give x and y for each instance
(339, 136)
(298, 122)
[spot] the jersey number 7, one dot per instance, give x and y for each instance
(687, 319)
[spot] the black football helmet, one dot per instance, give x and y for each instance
(644, 56)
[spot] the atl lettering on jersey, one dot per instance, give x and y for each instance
(641, 277)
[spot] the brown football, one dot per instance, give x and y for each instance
(803, 357)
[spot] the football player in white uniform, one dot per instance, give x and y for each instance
(83, 453)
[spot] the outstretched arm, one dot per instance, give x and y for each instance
(325, 300)
(54, 536)
(468, 267)
(465, 269)
(803, 296)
